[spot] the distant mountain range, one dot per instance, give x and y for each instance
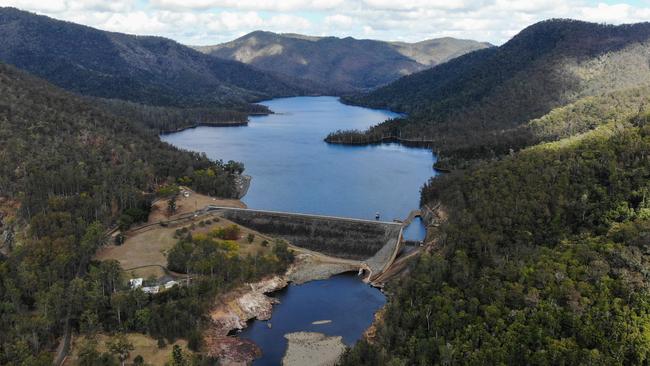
(478, 105)
(150, 70)
(343, 64)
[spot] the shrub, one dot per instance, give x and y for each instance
(138, 360)
(231, 232)
(120, 239)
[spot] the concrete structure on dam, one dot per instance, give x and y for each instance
(375, 244)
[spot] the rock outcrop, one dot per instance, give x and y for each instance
(232, 313)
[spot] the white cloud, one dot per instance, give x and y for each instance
(212, 21)
(339, 21)
(616, 13)
(53, 6)
(258, 5)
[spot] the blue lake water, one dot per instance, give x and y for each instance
(415, 231)
(301, 305)
(294, 170)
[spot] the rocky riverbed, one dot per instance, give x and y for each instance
(252, 301)
(313, 349)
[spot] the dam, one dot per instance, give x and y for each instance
(294, 170)
(374, 244)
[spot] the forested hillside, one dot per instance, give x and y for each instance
(161, 119)
(543, 260)
(149, 70)
(68, 171)
(341, 64)
(543, 257)
(473, 106)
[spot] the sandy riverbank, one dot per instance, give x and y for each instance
(312, 349)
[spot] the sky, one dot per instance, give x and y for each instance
(206, 22)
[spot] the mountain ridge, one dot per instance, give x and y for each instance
(346, 64)
(468, 105)
(144, 69)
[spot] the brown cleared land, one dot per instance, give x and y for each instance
(185, 205)
(144, 253)
(145, 346)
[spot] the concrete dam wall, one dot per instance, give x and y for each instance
(374, 242)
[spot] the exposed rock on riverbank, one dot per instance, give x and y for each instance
(312, 349)
(308, 267)
(232, 313)
(236, 308)
(242, 182)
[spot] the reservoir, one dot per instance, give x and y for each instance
(294, 170)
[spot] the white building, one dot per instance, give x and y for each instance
(135, 283)
(151, 290)
(170, 284)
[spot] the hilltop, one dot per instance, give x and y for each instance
(474, 106)
(142, 69)
(342, 64)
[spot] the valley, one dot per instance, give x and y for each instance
(314, 172)
(320, 200)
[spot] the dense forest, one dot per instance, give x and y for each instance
(543, 260)
(68, 172)
(543, 256)
(473, 107)
(148, 70)
(167, 119)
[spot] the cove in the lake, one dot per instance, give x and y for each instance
(294, 170)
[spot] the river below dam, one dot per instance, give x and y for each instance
(294, 170)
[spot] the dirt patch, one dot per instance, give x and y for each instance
(194, 201)
(145, 346)
(231, 350)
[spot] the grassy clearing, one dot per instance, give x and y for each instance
(148, 249)
(193, 202)
(144, 346)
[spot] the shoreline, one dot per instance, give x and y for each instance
(425, 144)
(205, 124)
(235, 310)
(217, 124)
